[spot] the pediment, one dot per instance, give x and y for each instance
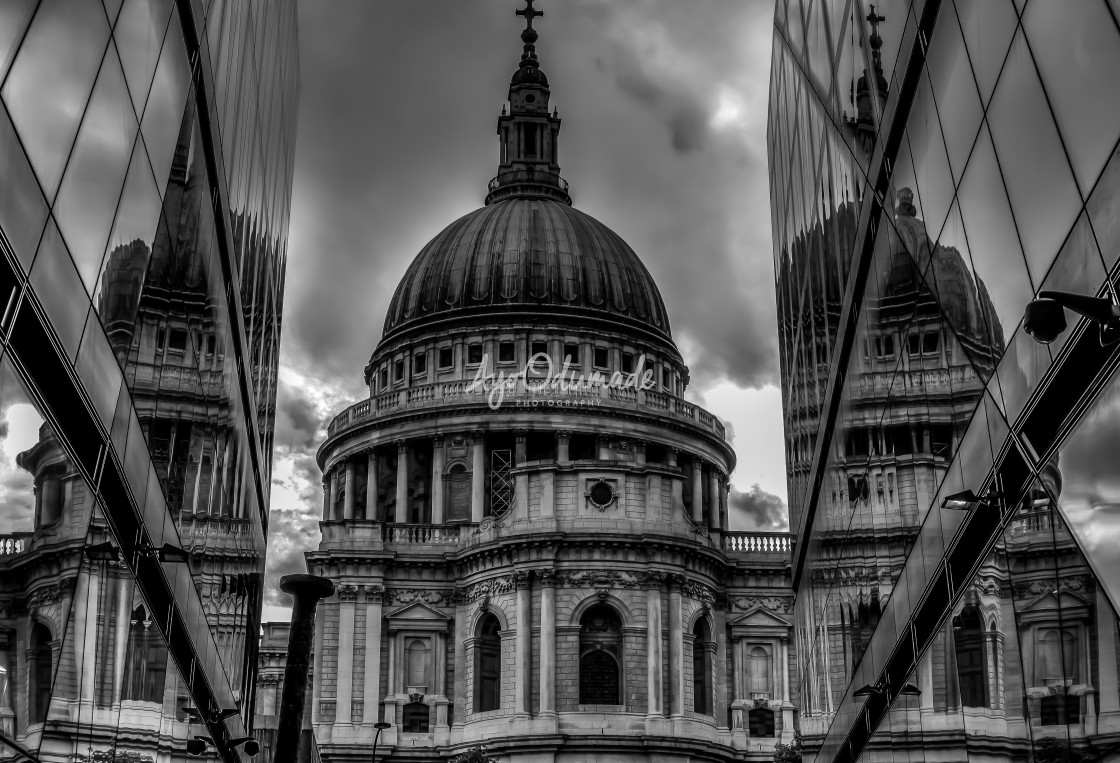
(1055, 600)
(417, 612)
(758, 617)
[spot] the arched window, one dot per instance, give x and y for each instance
(40, 673)
(488, 665)
(760, 720)
(600, 642)
(416, 667)
(416, 716)
(147, 659)
(1057, 658)
(760, 670)
(972, 658)
(702, 651)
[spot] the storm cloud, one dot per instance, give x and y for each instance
(757, 510)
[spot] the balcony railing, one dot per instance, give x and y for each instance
(456, 392)
(758, 543)
(14, 543)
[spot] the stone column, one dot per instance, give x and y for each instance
(603, 448)
(654, 660)
(697, 492)
(713, 499)
(328, 513)
(524, 656)
(89, 640)
(676, 649)
(478, 476)
(548, 643)
(120, 650)
(925, 679)
(461, 623)
(348, 498)
(371, 691)
(640, 451)
(371, 486)
(437, 479)
(391, 682)
(402, 482)
(440, 663)
(347, 598)
(653, 497)
(563, 438)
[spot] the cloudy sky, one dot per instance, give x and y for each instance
(663, 139)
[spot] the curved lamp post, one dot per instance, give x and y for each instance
(306, 590)
(380, 726)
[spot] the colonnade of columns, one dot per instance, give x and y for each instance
(708, 497)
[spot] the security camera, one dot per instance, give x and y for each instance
(1044, 319)
(252, 747)
(197, 746)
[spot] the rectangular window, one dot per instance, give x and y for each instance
(420, 363)
(398, 370)
(571, 350)
(384, 377)
(474, 354)
(177, 340)
(913, 344)
(931, 343)
(210, 341)
(601, 357)
(160, 336)
(667, 379)
(627, 362)
(538, 348)
(446, 357)
(884, 346)
(506, 352)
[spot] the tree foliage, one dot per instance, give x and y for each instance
(473, 755)
(788, 753)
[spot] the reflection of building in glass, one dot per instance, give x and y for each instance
(142, 267)
(913, 221)
(553, 576)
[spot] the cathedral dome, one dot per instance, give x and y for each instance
(526, 256)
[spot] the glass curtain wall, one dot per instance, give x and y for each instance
(146, 148)
(933, 165)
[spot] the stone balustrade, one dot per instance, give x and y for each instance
(457, 393)
(752, 542)
(14, 543)
(918, 381)
(423, 535)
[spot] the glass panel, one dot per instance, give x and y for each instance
(1090, 487)
(13, 19)
(163, 114)
(987, 26)
(95, 174)
(1078, 54)
(1043, 195)
(59, 56)
(958, 103)
(139, 33)
(22, 208)
(59, 289)
(98, 369)
(931, 163)
(993, 242)
(1104, 211)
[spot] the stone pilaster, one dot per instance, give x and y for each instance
(348, 498)
(548, 644)
(654, 658)
(521, 480)
(332, 493)
(524, 656)
(437, 479)
(401, 515)
(372, 667)
(563, 439)
(120, 646)
(347, 598)
(326, 496)
(676, 649)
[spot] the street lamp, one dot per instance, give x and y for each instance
(380, 726)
